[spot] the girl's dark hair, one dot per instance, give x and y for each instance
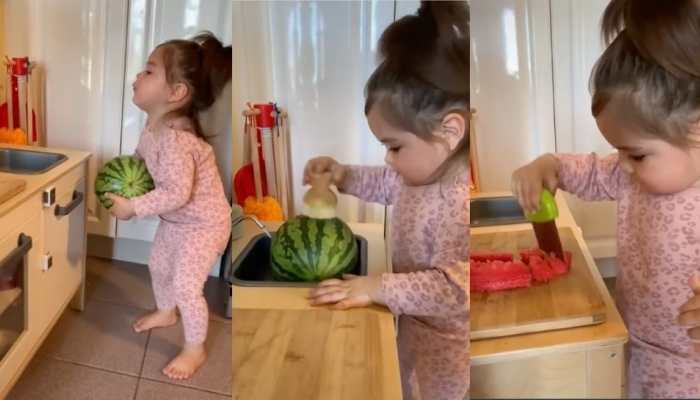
(664, 32)
(647, 65)
(424, 71)
(204, 65)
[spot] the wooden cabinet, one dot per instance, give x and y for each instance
(51, 211)
(579, 362)
(594, 373)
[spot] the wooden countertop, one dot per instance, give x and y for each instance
(36, 181)
(612, 331)
(285, 348)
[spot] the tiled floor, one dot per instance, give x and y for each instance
(95, 354)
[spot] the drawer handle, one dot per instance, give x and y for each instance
(77, 199)
(24, 244)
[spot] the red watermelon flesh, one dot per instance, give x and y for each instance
(497, 271)
(545, 267)
(490, 256)
(496, 275)
(541, 271)
(558, 266)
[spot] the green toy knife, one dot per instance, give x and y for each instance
(543, 222)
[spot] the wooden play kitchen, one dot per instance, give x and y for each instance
(564, 302)
(560, 339)
(43, 247)
(285, 348)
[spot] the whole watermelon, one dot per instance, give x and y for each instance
(126, 176)
(312, 249)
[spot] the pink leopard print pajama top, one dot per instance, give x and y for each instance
(658, 248)
(195, 220)
(428, 289)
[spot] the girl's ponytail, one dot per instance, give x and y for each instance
(431, 44)
(666, 33)
(215, 69)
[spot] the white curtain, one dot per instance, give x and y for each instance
(312, 58)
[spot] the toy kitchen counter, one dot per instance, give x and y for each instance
(583, 359)
(285, 348)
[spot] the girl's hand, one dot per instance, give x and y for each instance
(690, 312)
(527, 181)
(121, 206)
(349, 292)
(320, 165)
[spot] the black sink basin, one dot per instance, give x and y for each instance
(488, 211)
(18, 161)
(252, 267)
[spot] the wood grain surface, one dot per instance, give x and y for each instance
(314, 355)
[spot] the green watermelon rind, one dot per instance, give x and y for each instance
(126, 176)
(293, 258)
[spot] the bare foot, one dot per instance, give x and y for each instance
(156, 319)
(184, 365)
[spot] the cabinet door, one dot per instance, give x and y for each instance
(64, 247)
(20, 306)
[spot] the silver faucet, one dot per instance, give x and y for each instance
(237, 220)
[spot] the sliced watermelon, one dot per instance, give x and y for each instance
(490, 256)
(498, 275)
(498, 271)
(558, 266)
(545, 267)
(541, 271)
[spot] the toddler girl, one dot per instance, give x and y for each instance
(417, 104)
(646, 102)
(181, 78)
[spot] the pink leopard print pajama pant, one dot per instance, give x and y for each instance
(180, 261)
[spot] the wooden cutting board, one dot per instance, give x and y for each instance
(314, 355)
(10, 187)
(567, 301)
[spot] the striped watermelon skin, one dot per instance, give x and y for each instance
(311, 250)
(126, 176)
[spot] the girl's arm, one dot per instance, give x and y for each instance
(375, 184)
(589, 176)
(442, 289)
(437, 291)
(174, 190)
